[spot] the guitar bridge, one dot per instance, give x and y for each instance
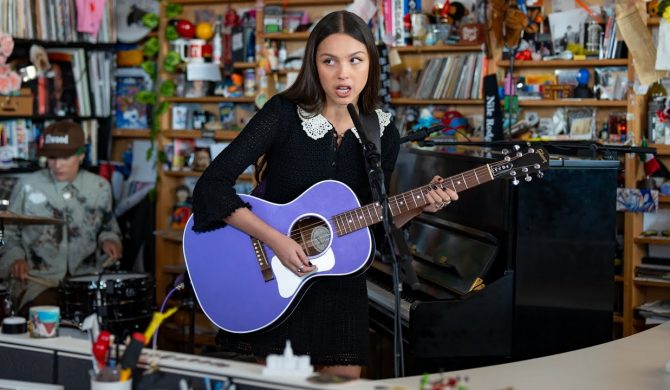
(261, 258)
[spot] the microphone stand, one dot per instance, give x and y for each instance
(393, 236)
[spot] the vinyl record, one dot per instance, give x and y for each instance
(129, 13)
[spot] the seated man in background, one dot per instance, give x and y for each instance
(39, 257)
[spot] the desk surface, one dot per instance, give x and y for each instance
(633, 362)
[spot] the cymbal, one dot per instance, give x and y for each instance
(10, 218)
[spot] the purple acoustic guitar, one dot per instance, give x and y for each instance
(242, 287)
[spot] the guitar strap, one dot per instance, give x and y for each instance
(371, 129)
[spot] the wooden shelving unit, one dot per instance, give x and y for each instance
(437, 49)
(563, 63)
(130, 133)
(210, 99)
(661, 149)
(417, 102)
(219, 135)
(573, 103)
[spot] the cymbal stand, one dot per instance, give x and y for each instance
(4, 204)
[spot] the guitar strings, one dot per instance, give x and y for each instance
(297, 234)
(394, 200)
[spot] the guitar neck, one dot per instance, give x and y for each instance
(371, 214)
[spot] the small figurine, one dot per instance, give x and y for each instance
(40, 59)
(201, 160)
(181, 211)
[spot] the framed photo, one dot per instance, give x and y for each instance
(581, 123)
(179, 117)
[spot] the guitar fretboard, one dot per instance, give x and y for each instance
(371, 214)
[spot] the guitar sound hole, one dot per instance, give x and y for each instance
(313, 234)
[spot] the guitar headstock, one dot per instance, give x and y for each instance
(521, 163)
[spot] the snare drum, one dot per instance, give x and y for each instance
(123, 301)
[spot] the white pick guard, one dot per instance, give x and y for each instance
(288, 282)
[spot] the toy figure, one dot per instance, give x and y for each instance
(181, 211)
(201, 160)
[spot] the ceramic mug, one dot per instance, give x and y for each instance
(180, 46)
(195, 50)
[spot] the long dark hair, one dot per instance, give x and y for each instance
(307, 91)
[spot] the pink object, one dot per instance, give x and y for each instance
(89, 15)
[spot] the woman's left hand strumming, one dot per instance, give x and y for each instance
(439, 196)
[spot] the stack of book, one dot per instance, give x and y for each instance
(53, 20)
(654, 312)
(452, 77)
(654, 269)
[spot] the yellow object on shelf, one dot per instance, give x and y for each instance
(129, 57)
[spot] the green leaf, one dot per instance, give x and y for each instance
(162, 108)
(173, 10)
(150, 48)
(171, 33)
(150, 152)
(172, 59)
(167, 88)
(146, 97)
(150, 68)
(150, 20)
(162, 156)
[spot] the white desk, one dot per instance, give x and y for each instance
(635, 362)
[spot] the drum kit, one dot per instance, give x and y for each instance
(124, 302)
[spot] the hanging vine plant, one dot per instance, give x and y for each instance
(167, 87)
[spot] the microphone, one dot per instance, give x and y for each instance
(421, 134)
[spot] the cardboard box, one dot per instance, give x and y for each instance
(21, 105)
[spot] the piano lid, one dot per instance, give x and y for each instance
(449, 254)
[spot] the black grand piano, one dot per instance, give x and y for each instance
(507, 272)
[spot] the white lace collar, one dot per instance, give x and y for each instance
(316, 126)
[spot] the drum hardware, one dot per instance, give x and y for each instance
(11, 218)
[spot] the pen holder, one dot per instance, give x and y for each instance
(43, 321)
(125, 385)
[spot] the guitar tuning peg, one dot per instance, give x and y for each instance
(524, 169)
(505, 151)
(517, 147)
(528, 178)
(515, 181)
(512, 173)
(531, 150)
(540, 175)
(536, 166)
(519, 154)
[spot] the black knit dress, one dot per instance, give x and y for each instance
(331, 321)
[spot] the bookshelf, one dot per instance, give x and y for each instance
(77, 65)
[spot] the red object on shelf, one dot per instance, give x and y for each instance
(185, 29)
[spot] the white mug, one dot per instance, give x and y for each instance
(180, 46)
(195, 50)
